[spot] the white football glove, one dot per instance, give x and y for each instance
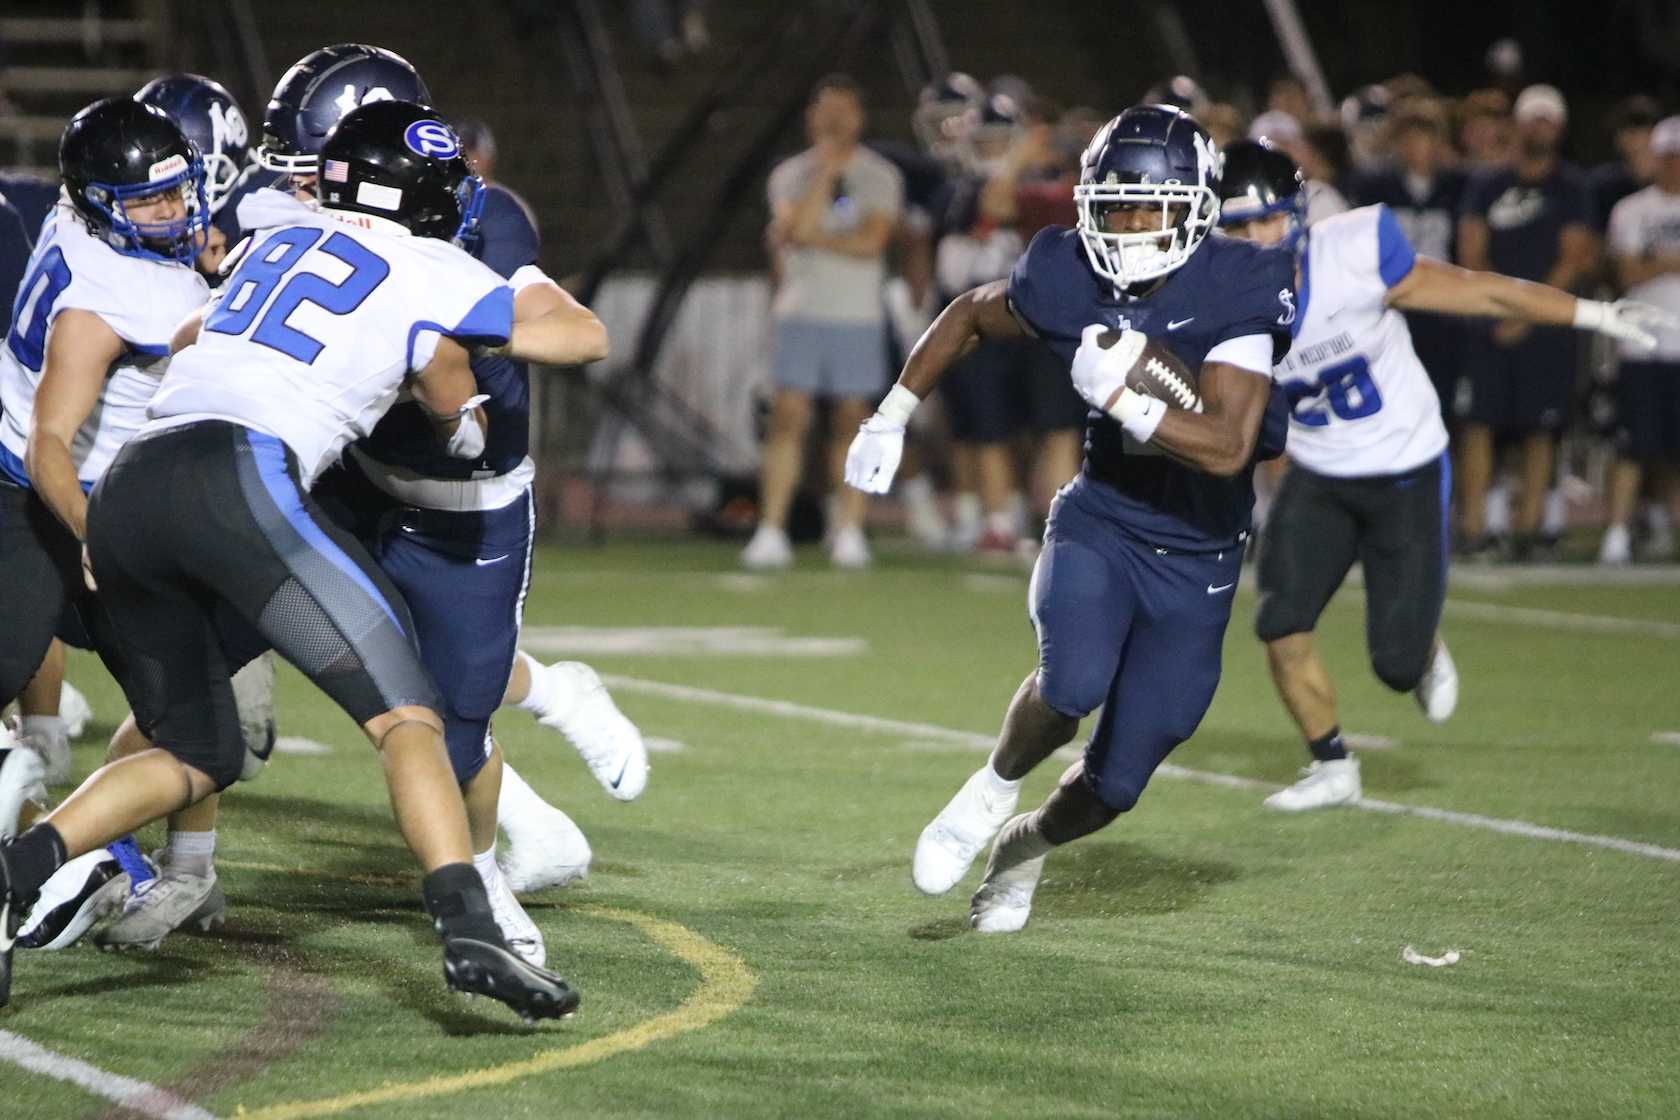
(1099, 373)
(873, 458)
(1625, 320)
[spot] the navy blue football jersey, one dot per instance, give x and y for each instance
(507, 241)
(33, 197)
(1226, 290)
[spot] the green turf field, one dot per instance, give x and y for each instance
(749, 944)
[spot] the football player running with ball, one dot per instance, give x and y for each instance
(1133, 589)
(1370, 478)
(207, 548)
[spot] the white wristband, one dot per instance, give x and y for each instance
(898, 404)
(1139, 414)
(1590, 314)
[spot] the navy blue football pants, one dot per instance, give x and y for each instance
(464, 577)
(1131, 628)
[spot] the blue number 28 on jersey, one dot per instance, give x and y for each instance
(1346, 387)
(263, 291)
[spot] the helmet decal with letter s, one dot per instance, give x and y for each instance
(397, 161)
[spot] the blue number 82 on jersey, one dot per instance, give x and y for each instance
(264, 291)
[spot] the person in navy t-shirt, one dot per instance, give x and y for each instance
(1133, 589)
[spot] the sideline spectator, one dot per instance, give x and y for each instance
(1629, 124)
(833, 210)
(1485, 135)
(1533, 221)
(1645, 249)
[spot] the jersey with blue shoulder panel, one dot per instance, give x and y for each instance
(1363, 404)
(1228, 289)
(507, 241)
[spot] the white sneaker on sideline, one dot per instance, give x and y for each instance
(585, 714)
(1616, 549)
(1325, 783)
(22, 778)
(160, 906)
(850, 548)
(947, 846)
(74, 710)
(768, 550)
(518, 930)
(1437, 692)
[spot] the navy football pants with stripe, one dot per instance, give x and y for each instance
(1128, 628)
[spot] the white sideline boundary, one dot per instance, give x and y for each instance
(926, 731)
(137, 1096)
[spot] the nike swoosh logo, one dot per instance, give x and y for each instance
(1174, 324)
(625, 765)
(1212, 590)
(493, 560)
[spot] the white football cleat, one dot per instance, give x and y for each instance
(948, 845)
(545, 847)
(1004, 901)
(518, 930)
(23, 776)
(768, 550)
(160, 906)
(54, 751)
(607, 740)
(78, 895)
(1437, 692)
(74, 710)
(849, 549)
(1327, 782)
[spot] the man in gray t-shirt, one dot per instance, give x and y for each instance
(832, 211)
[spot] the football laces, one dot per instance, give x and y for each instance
(1175, 385)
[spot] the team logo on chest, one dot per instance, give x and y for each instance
(432, 139)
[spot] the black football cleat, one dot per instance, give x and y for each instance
(78, 895)
(481, 968)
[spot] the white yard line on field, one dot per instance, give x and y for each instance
(137, 1096)
(928, 731)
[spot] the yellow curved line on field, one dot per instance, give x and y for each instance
(725, 984)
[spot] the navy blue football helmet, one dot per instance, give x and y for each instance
(1260, 180)
(316, 93)
(117, 152)
(400, 161)
(211, 118)
(1149, 155)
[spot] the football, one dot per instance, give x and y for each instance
(1160, 373)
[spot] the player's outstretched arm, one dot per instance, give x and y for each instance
(980, 313)
(448, 393)
(550, 326)
(81, 348)
(1433, 285)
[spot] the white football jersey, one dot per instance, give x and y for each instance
(141, 299)
(1361, 402)
(325, 317)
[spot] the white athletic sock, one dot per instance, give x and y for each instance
(520, 807)
(1019, 842)
(541, 695)
(967, 509)
(488, 870)
(998, 786)
(193, 853)
(917, 491)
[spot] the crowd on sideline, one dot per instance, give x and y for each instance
(869, 239)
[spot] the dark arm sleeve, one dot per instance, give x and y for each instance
(508, 238)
